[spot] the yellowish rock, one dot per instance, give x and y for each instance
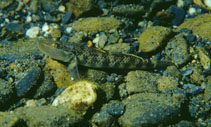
(96, 24)
(204, 58)
(166, 82)
(59, 73)
(78, 7)
(152, 38)
(197, 76)
(55, 33)
(200, 25)
(79, 96)
(207, 92)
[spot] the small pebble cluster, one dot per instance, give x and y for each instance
(37, 90)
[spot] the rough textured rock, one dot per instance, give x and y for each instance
(139, 81)
(167, 83)
(149, 109)
(204, 57)
(9, 119)
(48, 116)
(128, 10)
(177, 50)
(119, 47)
(79, 7)
(207, 92)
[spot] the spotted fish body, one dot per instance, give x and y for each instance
(95, 58)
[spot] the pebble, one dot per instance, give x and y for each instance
(173, 72)
(97, 76)
(177, 50)
(79, 96)
(197, 76)
(113, 37)
(115, 108)
(24, 85)
(179, 15)
(33, 32)
(149, 109)
(77, 37)
(28, 19)
(108, 113)
(108, 91)
(198, 108)
(192, 89)
(62, 8)
(152, 38)
(15, 28)
(66, 17)
(45, 27)
(7, 93)
(100, 40)
(100, 24)
(55, 33)
(102, 119)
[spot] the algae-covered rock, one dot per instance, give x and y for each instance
(96, 24)
(9, 119)
(207, 92)
(200, 25)
(204, 57)
(20, 49)
(140, 81)
(128, 10)
(5, 3)
(197, 75)
(48, 116)
(149, 109)
(177, 50)
(173, 72)
(78, 7)
(152, 38)
(119, 47)
(59, 72)
(167, 83)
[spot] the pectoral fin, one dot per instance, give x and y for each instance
(55, 53)
(73, 68)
